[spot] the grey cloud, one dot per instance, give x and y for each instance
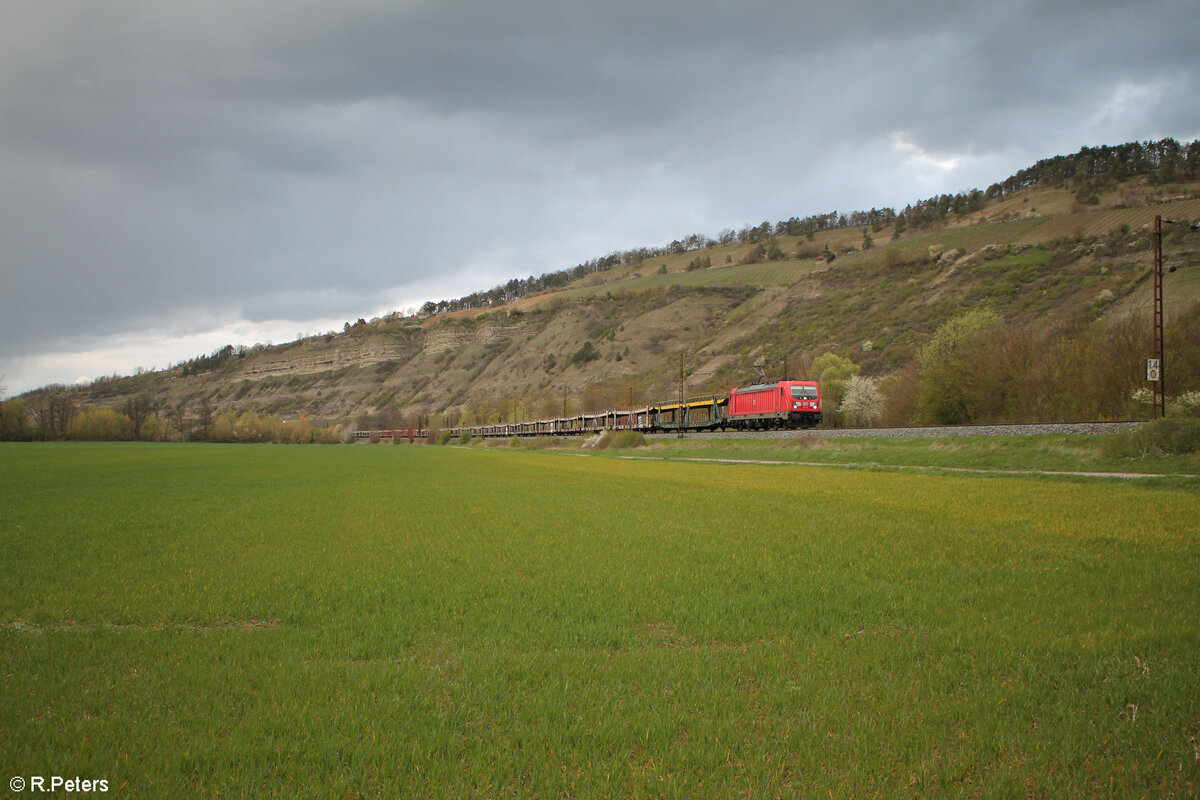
(302, 159)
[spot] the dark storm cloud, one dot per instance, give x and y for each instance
(178, 166)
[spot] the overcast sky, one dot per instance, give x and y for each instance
(175, 176)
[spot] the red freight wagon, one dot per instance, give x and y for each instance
(796, 404)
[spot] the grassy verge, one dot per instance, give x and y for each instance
(459, 622)
(1055, 453)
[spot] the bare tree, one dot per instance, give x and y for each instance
(179, 411)
(205, 418)
(39, 410)
(137, 409)
(51, 411)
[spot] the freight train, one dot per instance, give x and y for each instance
(784, 404)
(408, 433)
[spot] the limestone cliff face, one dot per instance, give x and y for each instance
(447, 337)
(436, 340)
(326, 359)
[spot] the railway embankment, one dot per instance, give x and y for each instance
(925, 432)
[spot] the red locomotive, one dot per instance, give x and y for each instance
(790, 404)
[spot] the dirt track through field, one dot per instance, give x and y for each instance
(873, 466)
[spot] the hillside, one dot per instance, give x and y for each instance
(1038, 257)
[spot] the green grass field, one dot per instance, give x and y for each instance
(1051, 453)
(273, 621)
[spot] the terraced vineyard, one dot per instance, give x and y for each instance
(1099, 223)
(780, 273)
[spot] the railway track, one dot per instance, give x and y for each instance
(928, 432)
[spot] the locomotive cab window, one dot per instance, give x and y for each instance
(804, 392)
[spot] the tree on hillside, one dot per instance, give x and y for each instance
(942, 396)
(863, 403)
(756, 254)
(99, 424)
(204, 417)
(584, 354)
(1183, 351)
(138, 409)
(38, 414)
(832, 372)
(16, 425)
(156, 429)
(15, 422)
(480, 408)
(51, 410)
(179, 412)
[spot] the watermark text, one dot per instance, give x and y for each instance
(57, 783)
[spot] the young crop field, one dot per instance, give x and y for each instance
(395, 621)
